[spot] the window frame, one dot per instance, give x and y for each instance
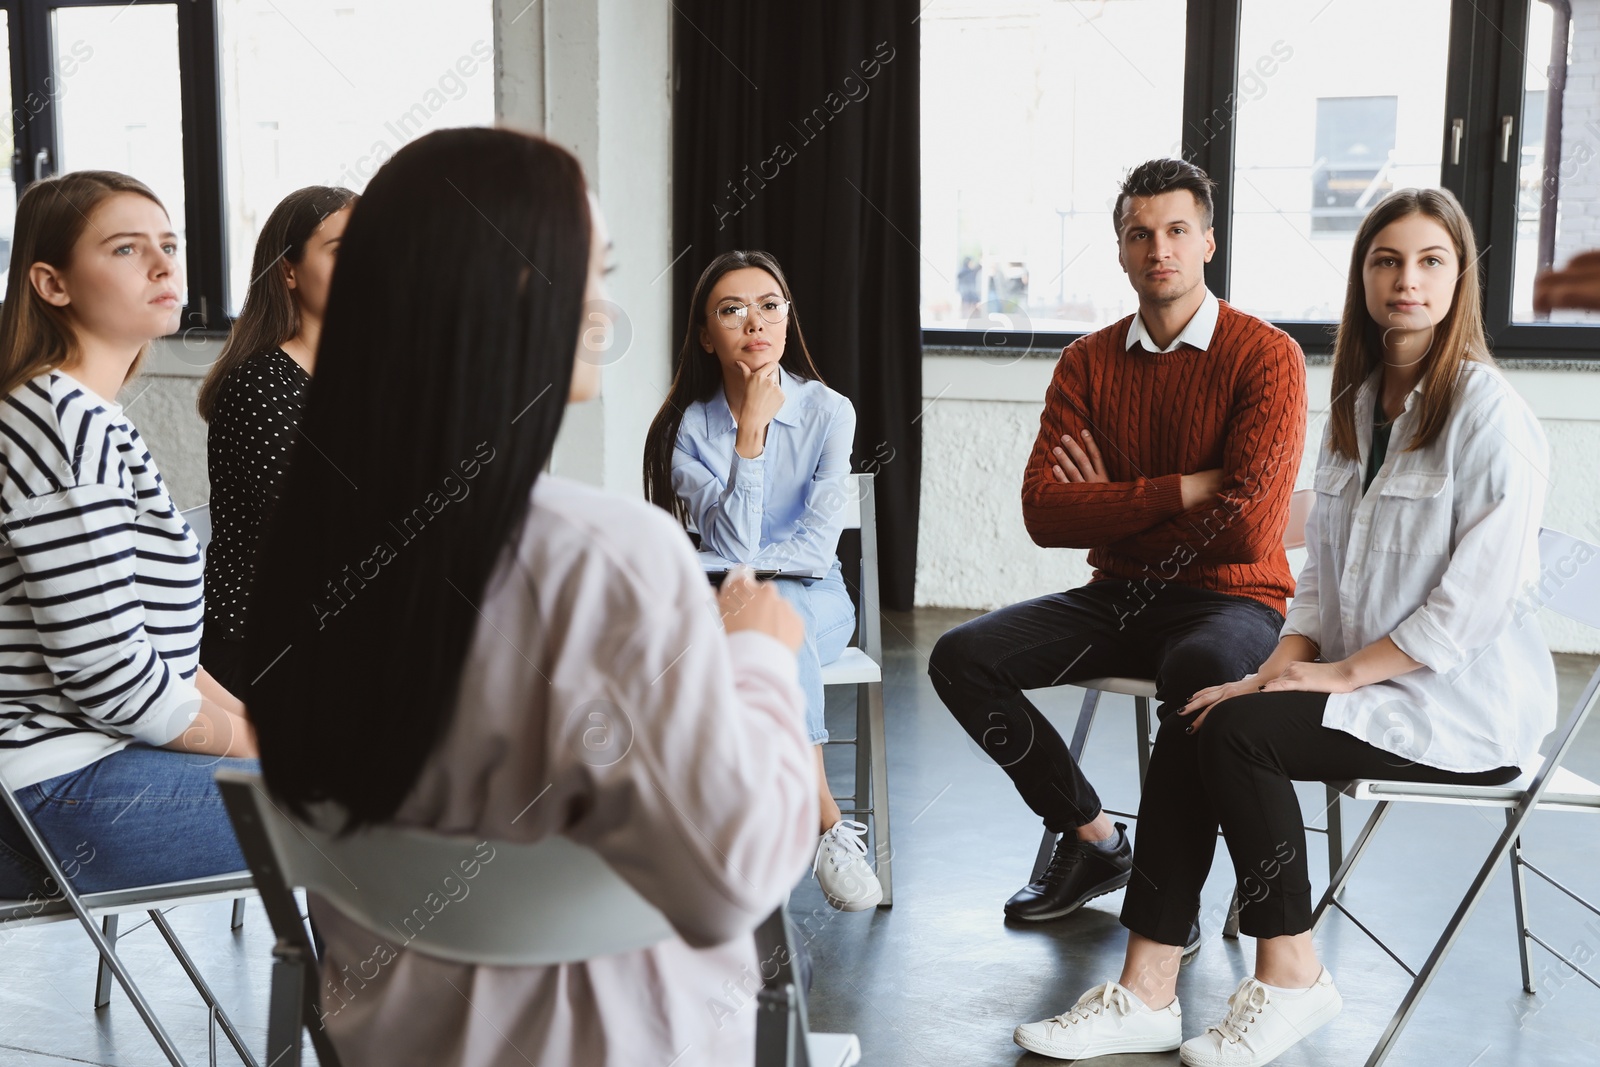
(199, 69)
(1486, 72)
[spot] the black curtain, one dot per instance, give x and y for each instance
(795, 131)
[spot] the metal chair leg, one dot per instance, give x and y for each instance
(1080, 739)
(202, 987)
(1141, 719)
(1336, 883)
(237, 921)
(1335, 830)
(103, 976)
(291, 978)
(883, 845)
(1230, 928)
(1518, 889)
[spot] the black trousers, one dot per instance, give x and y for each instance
(1184, 638)
(1237, 771)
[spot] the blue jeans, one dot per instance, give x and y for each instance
(140, 816)
(824, 605)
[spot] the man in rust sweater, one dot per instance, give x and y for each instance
(1168, 448)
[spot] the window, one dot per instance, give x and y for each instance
(1354, 155)
(312, 96)
(224, 106)
(1558, 174)
(1022, 156)
(1321, 135)
(1306, 114)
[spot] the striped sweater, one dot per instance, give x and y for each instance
(1239, 405)
(100, 586)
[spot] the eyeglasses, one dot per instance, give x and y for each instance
(734, 316)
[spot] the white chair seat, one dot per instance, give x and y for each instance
(855, 667)
(833, 1050)
(1567, 792)
(1128, 687)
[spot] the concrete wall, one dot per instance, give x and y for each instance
(980, 423)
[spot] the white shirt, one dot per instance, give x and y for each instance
(1434, 555)
(785, 508)
(1196, 332)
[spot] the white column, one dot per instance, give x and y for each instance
(594, 76)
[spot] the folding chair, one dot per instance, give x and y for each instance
(1545, 785)
(65, 904)
(861, 665)
(1143, 690)
(534, 905)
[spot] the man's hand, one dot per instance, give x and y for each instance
(1201, 487)
(1078, 463)
(1577, 285)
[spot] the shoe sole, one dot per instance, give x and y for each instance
(1312, 1025)
(855, 905)
(1109, 886)
(1110, 1048)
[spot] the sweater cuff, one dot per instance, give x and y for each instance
(1166, 495)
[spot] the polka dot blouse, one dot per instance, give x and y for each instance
(247, 452)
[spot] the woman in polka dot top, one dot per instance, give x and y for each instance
(253, 399)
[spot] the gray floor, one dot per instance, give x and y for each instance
(939, 979)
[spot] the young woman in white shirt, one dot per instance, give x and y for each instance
(1402, 656)
(110, 731)
(751, 451)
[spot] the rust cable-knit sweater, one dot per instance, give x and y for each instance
(1239, 405)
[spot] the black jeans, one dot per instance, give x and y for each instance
(1184, 638)
(1237, 771)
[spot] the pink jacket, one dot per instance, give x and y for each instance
(601, 699)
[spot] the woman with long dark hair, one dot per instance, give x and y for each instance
(253, 397)
(750, 451)
(448, 638)
(1401, 657)
(110, 730)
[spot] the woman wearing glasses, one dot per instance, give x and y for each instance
(751, 451)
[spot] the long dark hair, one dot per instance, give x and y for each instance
(270, 315)
(447, 355)
(35, 335)
(1458, 337)
(697, 375)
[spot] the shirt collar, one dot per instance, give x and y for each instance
(1197, 333)
(1367, 394)
(719, 417)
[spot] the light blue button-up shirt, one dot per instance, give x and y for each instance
(782, 510)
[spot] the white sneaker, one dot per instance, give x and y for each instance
(1260, 1027)
(842, 870)
(1107, 1019)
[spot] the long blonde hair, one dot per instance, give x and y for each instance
(35, 335)
(1457, 338)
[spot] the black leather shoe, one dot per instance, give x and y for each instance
(1078, 872)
